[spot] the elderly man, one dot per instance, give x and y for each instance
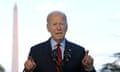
(57, 54)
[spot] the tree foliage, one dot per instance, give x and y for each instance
(112, 67)
(2, 69)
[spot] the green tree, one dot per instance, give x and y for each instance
(112, 67)
(2, 69)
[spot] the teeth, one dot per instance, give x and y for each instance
(59, 33)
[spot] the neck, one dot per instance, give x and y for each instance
(59, 41)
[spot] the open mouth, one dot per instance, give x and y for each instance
(59, 33)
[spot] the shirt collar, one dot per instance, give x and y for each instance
(53, 43)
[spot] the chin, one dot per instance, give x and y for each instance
(59, 38)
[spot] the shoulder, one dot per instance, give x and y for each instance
(74, 44)
(76, 49)
(41, 45)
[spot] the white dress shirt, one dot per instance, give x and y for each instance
(62, 45)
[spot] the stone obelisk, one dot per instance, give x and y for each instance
(15, 40)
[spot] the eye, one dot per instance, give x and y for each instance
(62, 24)
(54, 24)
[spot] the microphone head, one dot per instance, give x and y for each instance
(67, 55)
(54, 55)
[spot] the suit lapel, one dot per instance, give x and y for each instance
(51, 65)
(67, 52)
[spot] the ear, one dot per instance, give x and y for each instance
(48, 27)
(66, 27)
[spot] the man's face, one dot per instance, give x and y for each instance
(57, 26)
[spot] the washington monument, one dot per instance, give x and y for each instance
(15, 40)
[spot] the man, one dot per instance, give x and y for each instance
(57, 54)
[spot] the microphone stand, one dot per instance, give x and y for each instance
(66, 59)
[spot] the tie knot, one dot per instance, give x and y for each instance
(58, 45)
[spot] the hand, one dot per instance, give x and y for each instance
(29, 64)
(87, 61)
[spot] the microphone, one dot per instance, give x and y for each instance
(54, 55)
(55, 58)
(67, 55)
(66, 59)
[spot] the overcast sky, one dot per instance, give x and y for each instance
(94, 24)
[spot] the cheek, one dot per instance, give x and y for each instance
(51, 29)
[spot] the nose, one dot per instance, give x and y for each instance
(59, 27)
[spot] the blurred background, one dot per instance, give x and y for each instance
(94, 24)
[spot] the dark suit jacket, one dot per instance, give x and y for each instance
(41, 53)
